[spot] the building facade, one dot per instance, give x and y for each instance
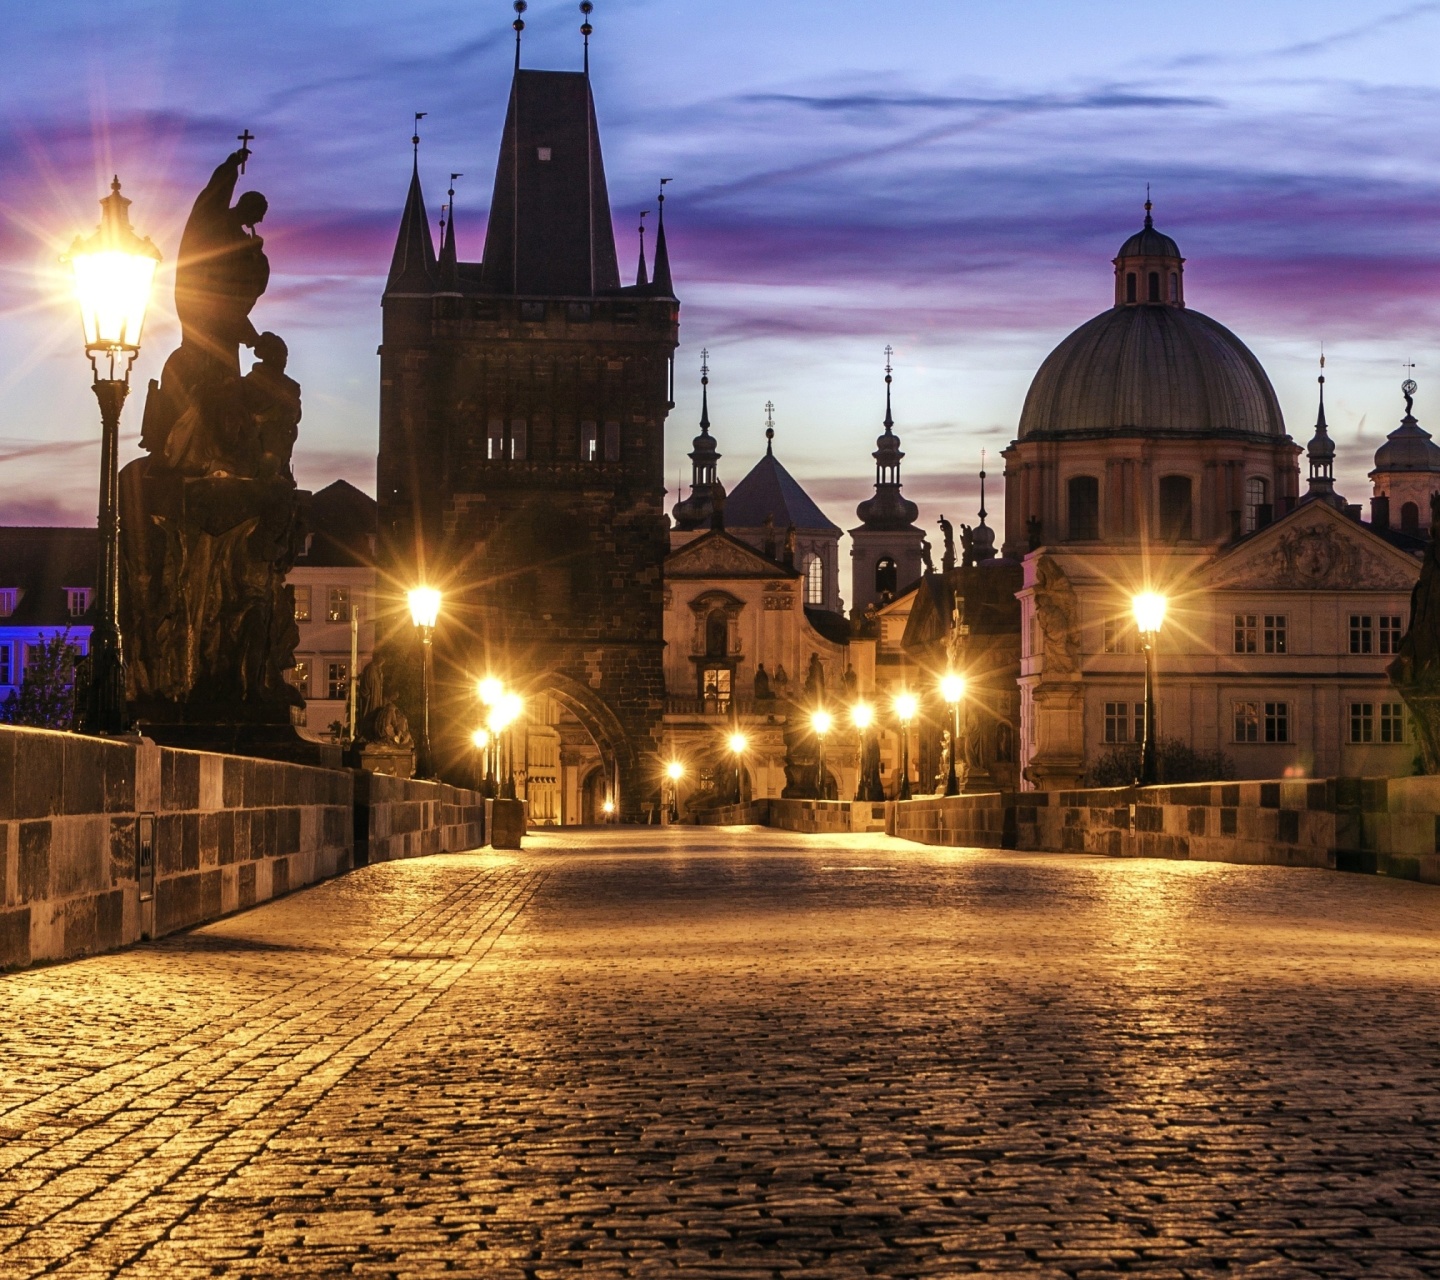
(47, 589)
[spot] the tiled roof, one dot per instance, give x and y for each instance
(42, 562)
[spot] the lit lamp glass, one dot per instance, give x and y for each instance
(674, 771)
(905, 707)
(114, 271)
(862, 715)
(424, 607)
(481, 739)
(490, 690)
(952, 687)
(821, 722)
(1149, 610)
(608, 807)
(738, 743)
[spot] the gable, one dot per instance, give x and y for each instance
(717, 555)
(1314, 548)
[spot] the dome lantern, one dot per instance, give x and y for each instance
(1149, 270)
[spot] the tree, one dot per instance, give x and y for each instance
(46, 696)
(1175, 761)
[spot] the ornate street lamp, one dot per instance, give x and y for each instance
(424, 612)
(674, 771)
(1149, 610)
(114, 270)
(952, 689)
(738, 743)
(905, 708)
(867, 780)
(820, 721)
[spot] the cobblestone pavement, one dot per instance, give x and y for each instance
(742, 1055)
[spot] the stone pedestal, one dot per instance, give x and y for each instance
(507, 823)
(382, 758)
(262, 741)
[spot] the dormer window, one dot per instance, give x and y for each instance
(77, 600)
(9, 596)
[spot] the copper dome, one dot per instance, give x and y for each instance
(1147, 369)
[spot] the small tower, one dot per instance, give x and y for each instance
(1407, 472)
(706, 503)
(982, 540)
(1149, 270)
(885, 547)
(1321, 452)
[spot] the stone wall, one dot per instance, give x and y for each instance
(818, 816)
(105, 842)
(407, 818)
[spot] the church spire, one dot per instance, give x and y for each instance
(888, 509)
(707, 494)
(1321, 452)
(641, 279)
(983, 539)
(413, 266)
(663, 285)
(448, 270)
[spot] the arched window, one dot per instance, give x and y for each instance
(1257, 504)
(814, 580)
(1410, 518)
(1084, 504)
(1154, 286)
(1175, 509)
(717, 634)
(1129, 286)
(1174, 286)
(887, 577)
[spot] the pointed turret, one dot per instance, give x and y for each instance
(662, 286)
(641, 279)
(982, 540)
(887, 509)
(413, 267)
(1321, 452)
(707, 494)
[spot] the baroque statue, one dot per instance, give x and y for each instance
(1416, 671)
(211, 519)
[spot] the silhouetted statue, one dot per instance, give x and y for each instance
(377, 719)
(1416, 670)
(927, 557)
(1034, 533)
(967, 545)
(762, 684)
(850, 682)
(790, 546)
(767, 539)
(815, 681)
(947, 531)
(211, 520)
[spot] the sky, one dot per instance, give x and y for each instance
(948, 177)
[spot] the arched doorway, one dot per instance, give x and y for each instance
(593, 791)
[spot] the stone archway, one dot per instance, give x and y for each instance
(618, 760)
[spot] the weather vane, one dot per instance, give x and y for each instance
(415, 137)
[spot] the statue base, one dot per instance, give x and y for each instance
(393, 762)
(262, 741)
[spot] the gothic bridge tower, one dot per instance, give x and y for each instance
(522, 412)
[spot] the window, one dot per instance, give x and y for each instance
(302, 604)
(717, 634)
(517, 441)
(1124, 722)
(814, 580)
(1390, 633)
(1410, 518)
(495, 440)
(299, 676)
(1257, 506)
(8, 598)
(1362, 722)
(1245, 632)
(589, 443)
(77, 600)
(887, 577)
(612, 442)
(1084, 496)
(1247, 722)
(543, 154)
(1154, 286)
(1277, 722)
(1275, 629)
(1129, 286)
(1361, 634)
(7, 663)
(337, 606)
(1175, 514)
(715, 686)
(337, 680)
(1117, 636)
(1392, 722)
(1174, 286)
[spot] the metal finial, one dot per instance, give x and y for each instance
(705, 365)
(587, 30)
(415, 137)
(519, 25)
(983, 512)
(1149, 221)
(769, 427)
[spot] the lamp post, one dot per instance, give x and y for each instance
(905, 708)
(481, 740)
(424, 611)
(738, 743)
(674, 771)
(510, 707)
(1149, 610)
(490, 691)
(820, 721)
(113, 270)
(867, 780)
(952, 689)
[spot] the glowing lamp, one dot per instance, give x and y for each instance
(424, 607)
(738, 743)
(608, 806)
(481, 739)
(490, 690)
(113, 270)
(1149, 609)
(862, 715)
(952, 687)
(674, 771)
(906, 706)
(821, 722)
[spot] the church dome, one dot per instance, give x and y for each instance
(1149, 243)
(1155, 368)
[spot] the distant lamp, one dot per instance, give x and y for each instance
(906, 705)
(1149, 610)
(821, 722)
(608, 808)
(480, 739)
(424, 613)
(114, 272)
(674, 771)
(490, 690)
(952, 689)
(867, 781)
(738, 743)
(862, 716)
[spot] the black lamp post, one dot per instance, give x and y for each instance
(867, 783)
(821, 721)
(114, 270)
(424, 611)
(952, 689)
(905, 707)
(1149, 609)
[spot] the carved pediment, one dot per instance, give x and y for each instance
(717, 555)
(1319, 549)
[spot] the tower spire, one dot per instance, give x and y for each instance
(889, 368)
(641, 279)
(449, 269)
(519, 25)
(412, 267)
(1321, 452)
(705, 507)
(664, 285)
(887, 509)
(1149, 221)
(982, 539)
(586, 30)
(705, 391)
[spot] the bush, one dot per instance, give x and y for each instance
(1175, 762)
(46, 696)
